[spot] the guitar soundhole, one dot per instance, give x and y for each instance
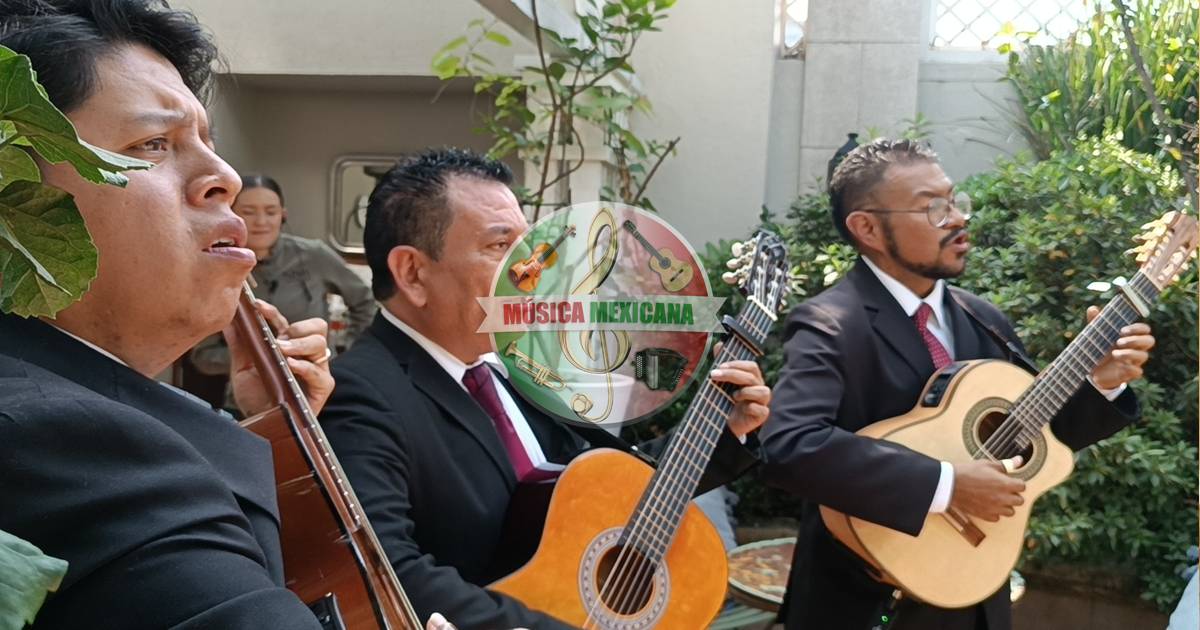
(625, 580)
(988, 425)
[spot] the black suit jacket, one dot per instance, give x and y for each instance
(854, 358)
(164, 510)
(429, 469)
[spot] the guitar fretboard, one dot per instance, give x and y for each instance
(1060, 380)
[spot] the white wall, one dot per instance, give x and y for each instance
(293, 128)
(971, 108)
(347, 37)
(708, 75)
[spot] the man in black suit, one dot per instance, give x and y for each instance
(164, 509)
(426, 459)
(862, 351)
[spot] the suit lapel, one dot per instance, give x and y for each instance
(457, 404)
(897, 331)
(241, 458)
(966, 336)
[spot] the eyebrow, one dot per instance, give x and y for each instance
(498, 230)
(166, 117)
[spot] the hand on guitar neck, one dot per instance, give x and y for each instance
(984, 489)
(304, 344)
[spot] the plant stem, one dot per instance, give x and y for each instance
(654, 169)
(554, 109)
(1155, 104)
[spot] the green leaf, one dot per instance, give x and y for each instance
(26, 575)
(446, 67)
(498, 38)
(612, 9)
(47, 259)
(557, 70)
(451, 45)
(15, 164)
(24, 104)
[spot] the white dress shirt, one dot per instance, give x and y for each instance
(940, 327)
(457, 369)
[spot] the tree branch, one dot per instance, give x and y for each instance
(654, 169)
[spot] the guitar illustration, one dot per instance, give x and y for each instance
(525, 274)
(674, 273)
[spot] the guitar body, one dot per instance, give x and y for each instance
(592, 503)
(674, 274)
(316, 558)
(944, 566)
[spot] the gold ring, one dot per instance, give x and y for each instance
(325, 359)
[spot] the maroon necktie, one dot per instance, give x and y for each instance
(937, 351)
(482, 387)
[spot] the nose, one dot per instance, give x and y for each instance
(956, 218)
(213, 183)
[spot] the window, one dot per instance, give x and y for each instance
(986, 24)
(793, 15)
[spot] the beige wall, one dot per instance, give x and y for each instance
(349, 37)
(708, 75)
(293, 128)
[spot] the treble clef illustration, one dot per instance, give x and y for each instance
(599, 360)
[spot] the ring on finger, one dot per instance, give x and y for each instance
(325, 359)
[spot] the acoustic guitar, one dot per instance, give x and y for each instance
(622, 545)
(994, 410)
(525, 274)
(332, 559)
(672, 272)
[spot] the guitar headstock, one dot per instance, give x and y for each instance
(1168, 243)
(759, 268)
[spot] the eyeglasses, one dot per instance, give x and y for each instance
(938, 211)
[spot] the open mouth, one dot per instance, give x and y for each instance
(230, 249)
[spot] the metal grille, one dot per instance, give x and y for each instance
(986, 24)
(793, 18)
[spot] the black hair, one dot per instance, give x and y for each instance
(64, 39)
(408, 206)
(263, 181)
(862, 169)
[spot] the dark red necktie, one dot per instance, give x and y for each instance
(483, 389)
(937, 351)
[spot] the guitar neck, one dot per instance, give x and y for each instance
(646, 244)
(310, 439)
(553, 246)
(1059, 381)
(660, 510)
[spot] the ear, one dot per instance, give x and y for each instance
(407, 265)
(865, 229)
(283, 215)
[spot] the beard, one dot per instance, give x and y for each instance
(934, 271)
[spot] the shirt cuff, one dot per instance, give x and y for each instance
(945, 488)
(1110, 394)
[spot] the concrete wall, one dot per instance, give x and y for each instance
(709, 76)
(293, 128)
(348, 37)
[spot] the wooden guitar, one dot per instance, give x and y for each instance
(993, 410)
(525, 274)
(332, 560)
(672, 272)
(623, 547)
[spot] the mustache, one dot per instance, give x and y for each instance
(953, 235)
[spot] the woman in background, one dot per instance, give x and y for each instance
(294, 274)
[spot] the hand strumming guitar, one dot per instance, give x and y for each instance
(984, 489)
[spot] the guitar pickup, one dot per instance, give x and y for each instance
(936, 390)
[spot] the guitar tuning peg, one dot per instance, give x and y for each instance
(730, 277)
(738, 248)
(733, 263)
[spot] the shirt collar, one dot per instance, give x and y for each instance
(909, 301)
(450, 363)
(89, 344)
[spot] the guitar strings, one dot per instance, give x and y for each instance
(1047, 395)
(630, 578)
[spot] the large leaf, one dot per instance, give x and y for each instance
(15, 164)
(24, 104)
(26, 575)
(47, 259)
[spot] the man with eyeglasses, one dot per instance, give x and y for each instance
(862, 351)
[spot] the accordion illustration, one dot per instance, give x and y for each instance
(659, 368)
